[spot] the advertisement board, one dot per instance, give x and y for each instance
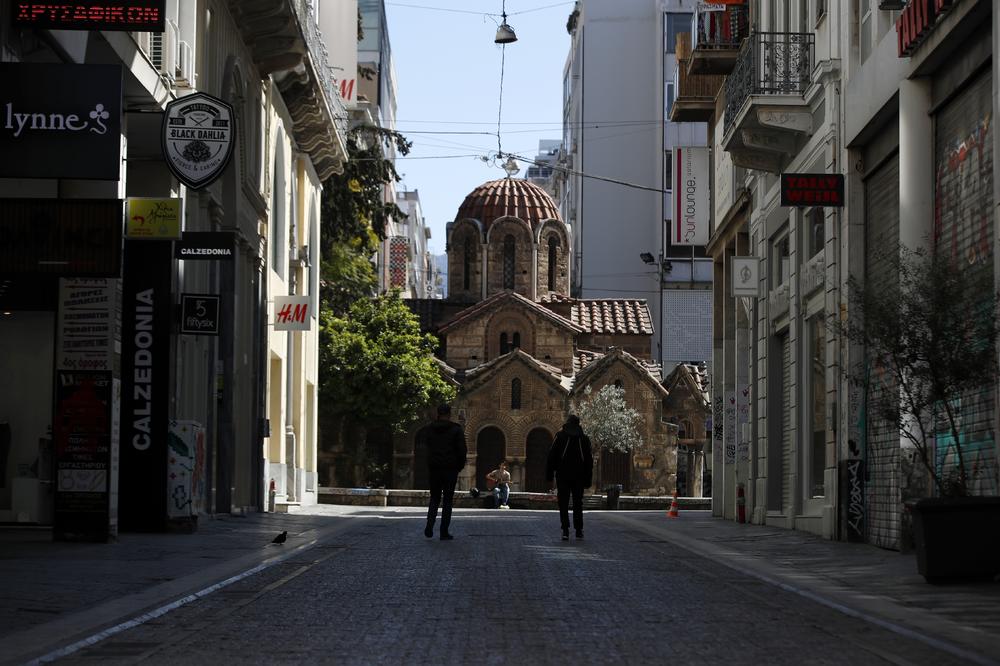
(153, 219)
(127, 15)
(691, 214)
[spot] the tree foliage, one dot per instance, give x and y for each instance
(608, 420)
(377, 367)
(347, 276)
(930, 339)
(354, 209)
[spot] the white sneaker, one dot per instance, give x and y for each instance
(504, 506)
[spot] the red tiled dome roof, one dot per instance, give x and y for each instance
(508, 196)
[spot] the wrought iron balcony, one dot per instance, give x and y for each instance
(718, 35)
(765, 112)
(285, 40)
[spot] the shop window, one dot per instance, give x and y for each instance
(781, 261)
(515, 394)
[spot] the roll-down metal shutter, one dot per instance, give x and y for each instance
(786, 425)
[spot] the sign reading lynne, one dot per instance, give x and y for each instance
(60, 121)
(137, 15)
(691, 213)
(198, 138)
(812, 189)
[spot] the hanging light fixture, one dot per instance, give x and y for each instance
(510, 166)
(505, 33)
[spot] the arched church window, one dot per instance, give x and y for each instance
(467, 264)
(504, 348)
(553, 244)
(515, 394)
(618, 383)
(508, 262)
(517, 340)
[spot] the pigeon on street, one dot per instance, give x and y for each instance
(280, 538)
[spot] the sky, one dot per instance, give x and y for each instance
(448, 80)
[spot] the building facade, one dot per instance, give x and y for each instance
(904, 115)
(522, 352)
(178, 423)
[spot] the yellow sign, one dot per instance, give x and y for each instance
(153, 219)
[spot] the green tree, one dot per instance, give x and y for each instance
(930, 336)
(347, 276)
(608, 420)
(376, 369)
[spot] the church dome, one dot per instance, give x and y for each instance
(508, 197)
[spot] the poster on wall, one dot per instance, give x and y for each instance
(89, 326)
(691, 214)
(198, 134)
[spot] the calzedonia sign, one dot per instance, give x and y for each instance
(131, 15)
(812, 189)
(60, 121)
(198, 134)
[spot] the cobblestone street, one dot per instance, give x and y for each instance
(506, 590)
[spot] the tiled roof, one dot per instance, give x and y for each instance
(610, 316)
(594, 368)
(583, 358)
(694, 376)
(494, 301)
(508, 197)
(555, 297)
(480, 373)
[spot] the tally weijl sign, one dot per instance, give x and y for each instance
(60, 121)
(198, 138)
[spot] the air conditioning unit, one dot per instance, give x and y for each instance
(163, 50)
(185, 64)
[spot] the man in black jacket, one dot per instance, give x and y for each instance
(446, 451)
(571, 461)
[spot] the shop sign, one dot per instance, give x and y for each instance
(205, 246)
(805, 190)
(60, 121)
(745, 272)
(147, 318)
(916, 22)
(691, 207)
(130, 15)
(153, 219)
(67, 237)
(292, 313)
(198, 138)
(199, 314)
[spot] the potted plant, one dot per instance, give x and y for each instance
(929, 335)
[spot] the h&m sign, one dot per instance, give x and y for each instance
(292, 313)
(812, 189)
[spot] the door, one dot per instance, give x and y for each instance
(616, 467)
(490, 447)
(537, 450)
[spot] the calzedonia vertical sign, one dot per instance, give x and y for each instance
(147, 315)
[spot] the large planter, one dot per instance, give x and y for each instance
(957, 537)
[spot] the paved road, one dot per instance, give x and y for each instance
(505, 591)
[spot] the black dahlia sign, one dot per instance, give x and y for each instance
(198, 134)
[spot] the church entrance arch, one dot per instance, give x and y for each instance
(615, 468)
(490, 450)
(537, 452)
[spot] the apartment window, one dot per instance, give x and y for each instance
(820, 9)
(676, 23)
(804, 16)
(669, 98)
(508, 262)
(817, 384)
(781, 261)
(865, 29)
(815, 231)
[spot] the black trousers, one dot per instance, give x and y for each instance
(565, 487)
(442, 490)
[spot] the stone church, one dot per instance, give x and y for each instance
(522, 352)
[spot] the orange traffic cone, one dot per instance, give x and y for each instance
(672, 513)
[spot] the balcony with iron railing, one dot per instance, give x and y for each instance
(766, 115)
(694, 94)
(718, 32)
(285, 41)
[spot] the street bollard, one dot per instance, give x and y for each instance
(270, 496)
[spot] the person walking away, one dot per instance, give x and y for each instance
(571, 462)
(501, 491)
(446, 452)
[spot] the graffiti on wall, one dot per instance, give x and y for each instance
(730, 429)
(718, 425)
(855, 494)
(963, 194)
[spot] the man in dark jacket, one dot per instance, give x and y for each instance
(446, 451)
(571, 462)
